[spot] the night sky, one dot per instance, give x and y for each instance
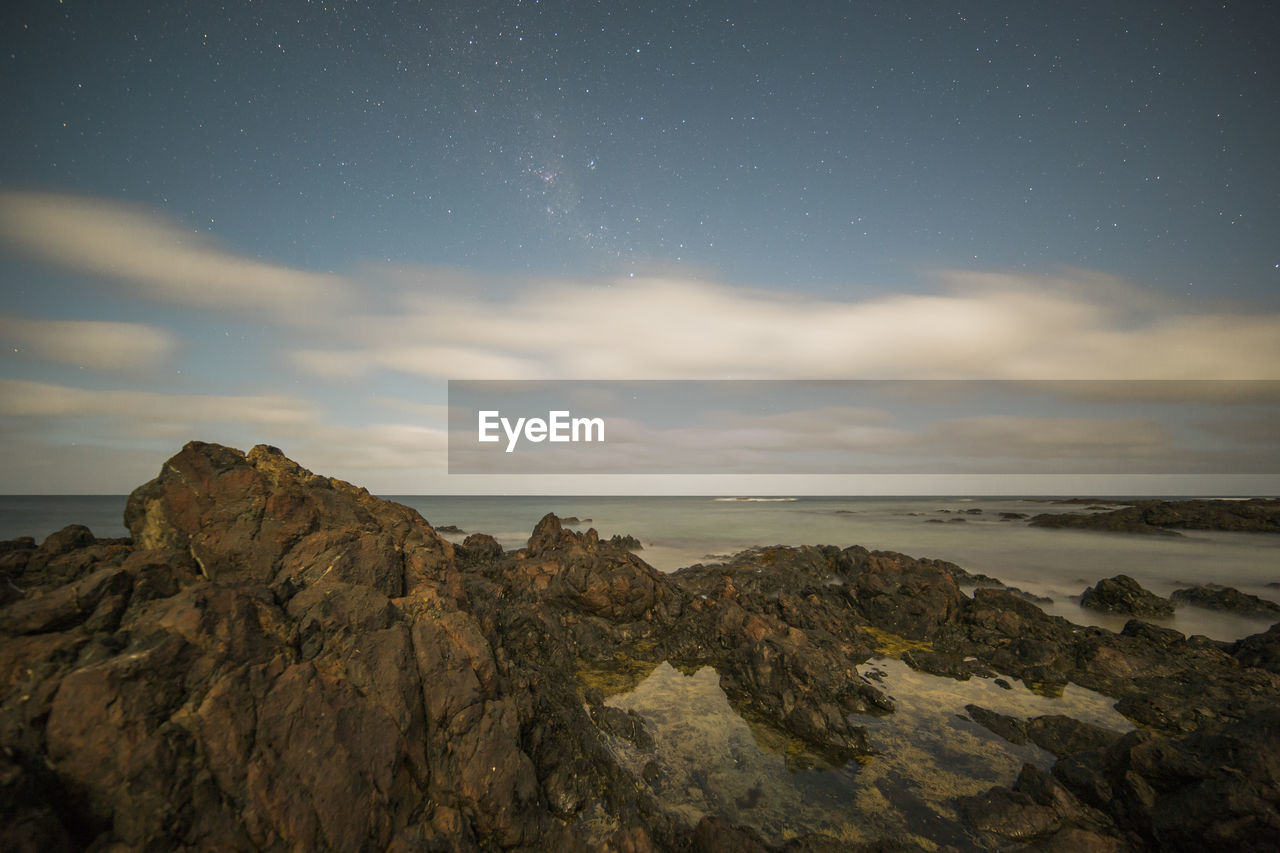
(290, 222)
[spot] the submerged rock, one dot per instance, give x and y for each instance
(1126, 520)
(1040, 811)
(1214, 597)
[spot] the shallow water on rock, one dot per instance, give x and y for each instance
(707, 759)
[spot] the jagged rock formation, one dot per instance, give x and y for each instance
(277, 660)
(281, 661)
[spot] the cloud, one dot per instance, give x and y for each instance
(150, 412)
(90, 343)
(399, 455)
(438, 323)
(1078, 326)
(159, 258)
(32, 464)
(128, 434)
(1029, 438)
(1024, 437)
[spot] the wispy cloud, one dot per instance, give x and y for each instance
(150, 412)
(96, 344)
(995, 326)
(434, 323)
(129, 433)
(160, 258)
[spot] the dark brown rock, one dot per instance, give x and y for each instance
(1122, 594)
(62, 607)
(1012, 729)
(600, 578)
(478, 549)
(1214, 789)
(1126, 520)
(285, 662)
(68, 539)
(1008, 814)
(625, 540)
(1260, 650)
(714, 835)
(1064, 735)
(905, 596)
(263, 518)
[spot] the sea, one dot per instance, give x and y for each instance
(928, 753)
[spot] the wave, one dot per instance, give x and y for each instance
(755, 500)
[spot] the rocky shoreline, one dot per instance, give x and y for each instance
(1166, 518)
(276, 660)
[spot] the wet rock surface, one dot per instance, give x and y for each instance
(277, 660)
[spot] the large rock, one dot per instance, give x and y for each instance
(913, 598)
(602, 578)
(1260, 650)
(1041, 811)
(263, 518)
(1124, 595)
(1126, 520)
(281, 661)
(1214, 789)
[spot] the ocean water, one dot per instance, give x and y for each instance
(681, 531)
(39, 515)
